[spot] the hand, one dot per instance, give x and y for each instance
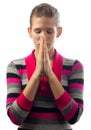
(39, 57)
(46, 60)
(43, 64)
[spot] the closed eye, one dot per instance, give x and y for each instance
(49, 31)
(37, 31)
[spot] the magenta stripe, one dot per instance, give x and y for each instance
(81, 105)
(77, 66)
(12, 117)
(13, 80)
(76, 85)
(21, 72)
(72, 112)
(66, 72)
(45, 115)
(10, 100)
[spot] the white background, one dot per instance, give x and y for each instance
(74, 43)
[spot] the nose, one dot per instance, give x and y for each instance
(43, 35)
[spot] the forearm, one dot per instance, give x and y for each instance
(55, 85)
(24, 102)
(31, 88)
(68, 106)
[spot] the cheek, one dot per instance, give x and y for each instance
(35, 40)
(34, 37)
(53, 38)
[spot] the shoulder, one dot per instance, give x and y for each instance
(17, 62)
(69, 62)
(20, 61)
(72, 64)
(16, 66)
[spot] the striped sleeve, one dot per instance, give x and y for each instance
(16, 102)
(71, 102)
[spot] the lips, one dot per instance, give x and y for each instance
(47, 44)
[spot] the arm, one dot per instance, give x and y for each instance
(18, 100)
(17, 103)
(69, 103)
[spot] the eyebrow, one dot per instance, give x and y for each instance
(40, 28)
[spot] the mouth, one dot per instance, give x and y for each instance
(48, 44)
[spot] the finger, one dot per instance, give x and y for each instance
(46, 56)
(41, 47)
(45, 48)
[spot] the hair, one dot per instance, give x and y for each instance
(45, 10)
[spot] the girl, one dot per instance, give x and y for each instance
(44, 89)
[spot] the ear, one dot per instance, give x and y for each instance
(59, 31)
(29, 32)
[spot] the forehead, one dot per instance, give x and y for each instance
(43, 21)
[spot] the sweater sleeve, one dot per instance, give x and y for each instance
(17, 105)
(71, 102)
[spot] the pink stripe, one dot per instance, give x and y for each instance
(72, 112)
(45, 115)
(10, 100)
(76, 85)
(21, 72)
(77, 66)
(66, 72)
(12, 117)
(81, 105)
(13, 80)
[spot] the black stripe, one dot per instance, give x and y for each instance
(45, 110)
(9, 75)
(76, 81)
(24, 129)
(32, 129)
(78, 100)
(23, 86)
(19, 66)
(76, 62)
(66, 88)
(73, 120)
(66, 67)
(15, 95)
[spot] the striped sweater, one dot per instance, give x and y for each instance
(45, 112)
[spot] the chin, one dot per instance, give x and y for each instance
(50, 48)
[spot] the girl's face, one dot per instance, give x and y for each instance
(46, 28)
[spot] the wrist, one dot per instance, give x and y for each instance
(50, 75)
(36, 75)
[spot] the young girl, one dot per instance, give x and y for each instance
(44, 89)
